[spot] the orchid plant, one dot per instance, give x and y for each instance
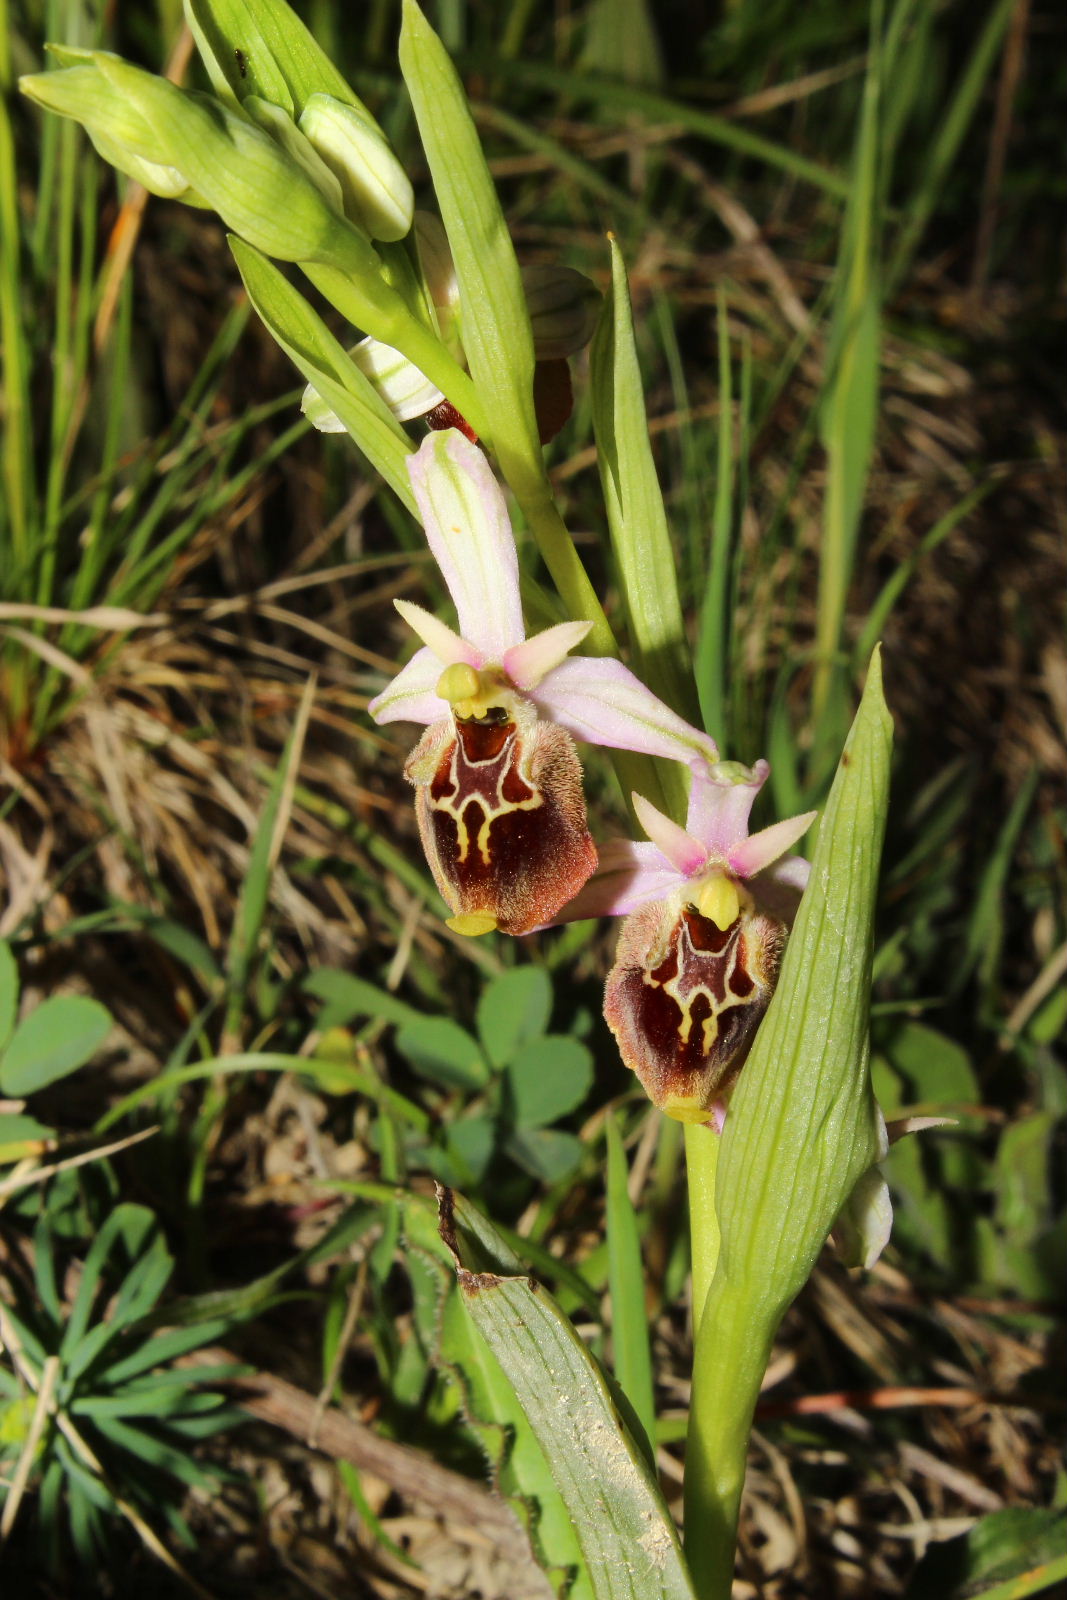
(739, 990)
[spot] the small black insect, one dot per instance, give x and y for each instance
(242, 62)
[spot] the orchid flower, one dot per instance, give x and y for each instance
(563, 308)
(707, 911)
(498, 783)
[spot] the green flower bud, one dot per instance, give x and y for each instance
(83, 93)
(563, 306)
(167, 182)
(377, 190)
(280, 125)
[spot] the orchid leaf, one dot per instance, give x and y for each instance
(637, 519)
(496, 331)
(633, 1553)
(324, 362)
(515, 1458)
(629, 1317)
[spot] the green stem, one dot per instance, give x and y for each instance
(719, 1419)
(395, 325)
(559, 555)
(732, 1340)
(701, 1165)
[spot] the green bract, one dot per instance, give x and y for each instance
(257, 188)
(801, 1131)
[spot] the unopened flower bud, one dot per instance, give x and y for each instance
(233, 165)
(563, 309)
(377, 191)
(167, 182)
(82, 91)
(280, 125)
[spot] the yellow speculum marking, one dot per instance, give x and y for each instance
(719, 898)
(472, 694)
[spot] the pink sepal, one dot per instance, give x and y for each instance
(629, 875)
(602, 702)
(467, 528)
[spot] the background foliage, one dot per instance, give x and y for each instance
(847, 347)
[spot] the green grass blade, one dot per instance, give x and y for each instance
(629, 98)
(951, 131)
(882, 609)
(986, 925)
(266, 848)
(332, 1077)
(17, 462)
(849, 406)
(629, 1318)
(713, 643)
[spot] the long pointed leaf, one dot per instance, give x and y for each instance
(628, 1539)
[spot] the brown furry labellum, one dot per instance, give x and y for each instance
(502, 818)
(685, 997)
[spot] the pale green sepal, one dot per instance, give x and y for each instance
(166, 182)
(631, 1551)
(801, 1131)
(324, 363)
(495, 324)
(640, 537)
(280, 125)
(377, 191)
(261, 47)
(83, 93)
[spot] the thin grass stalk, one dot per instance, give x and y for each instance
(952, 128)
(713, 647)
(849, 406)
(17, 451)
